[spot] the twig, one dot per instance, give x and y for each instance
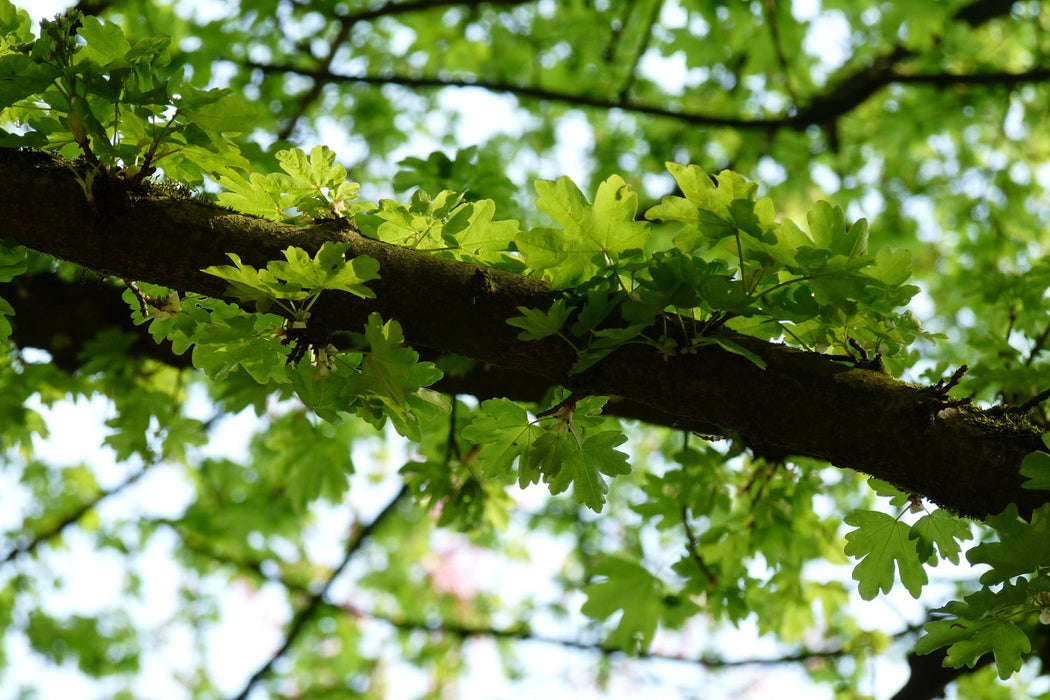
(307, 612)
(1034, 401)
(770, 8)
(942, 387)
(1040, 344)
(643, 46)
(519, 632)
(73, 517)
(712, 577)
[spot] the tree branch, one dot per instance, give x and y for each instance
(852, 88)
(71, 518)
(531, 92)
(518, 633)
(803, 403)
(929, 676)
(308, 611)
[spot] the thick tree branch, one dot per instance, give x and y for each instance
(801, 404)
(63, 317)
(929, 676)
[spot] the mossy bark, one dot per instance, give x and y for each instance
(802, 403)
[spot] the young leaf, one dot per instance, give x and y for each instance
(943, 530)
(880, 541)
(628, 586)
(1022, 547)
(593, 237)
(1036, 466)
(982, 622)
(536, 324)
(504, 432)
(598, 456)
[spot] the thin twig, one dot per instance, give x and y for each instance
(307, 612)
(643, 46)
(74, 516)
(694, 551)
(521, 632)
(770, 8)
(1034, 401)
(1040, 344)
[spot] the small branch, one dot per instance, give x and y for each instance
(643, 46)
(391, 9)
(945, 80)
(307, 612)
(770, 10)
(532, 92)
(616, 36)
(520, 633)
(712, 577)
(71, 519)
(1034, 401)
(1040, 345)
(942, 387)
(346, 26)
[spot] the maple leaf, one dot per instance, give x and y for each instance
(880, 541)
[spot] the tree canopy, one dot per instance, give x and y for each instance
(600, 327)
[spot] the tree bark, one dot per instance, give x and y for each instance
(802, 403)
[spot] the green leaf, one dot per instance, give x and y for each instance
(592, 237)
(624, 585)
(1022, 547)
(827, 228)
(733, 347)
(312, 460)
(1036, 466)
(327, 269)
(566, 456)
(217, 111)
(242, 340)
(880, 541)
(315, 172)
(391, 380)
(484, 239)
(982, 622)
(537, 324)
(298, 276)
(13, 262)
(943, 530)
(259, 195)
(504, 432)
(969, 640)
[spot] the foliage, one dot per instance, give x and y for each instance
(676, 258)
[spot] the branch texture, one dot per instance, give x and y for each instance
(803, 403)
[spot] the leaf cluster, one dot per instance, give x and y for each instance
(83, 89)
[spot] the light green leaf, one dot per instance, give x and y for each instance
(537, 324)
(1036, 466)
(943, 530)
(625, 585)
(880, 541)
(982, 622)
(1022, 547)
(504, 432)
